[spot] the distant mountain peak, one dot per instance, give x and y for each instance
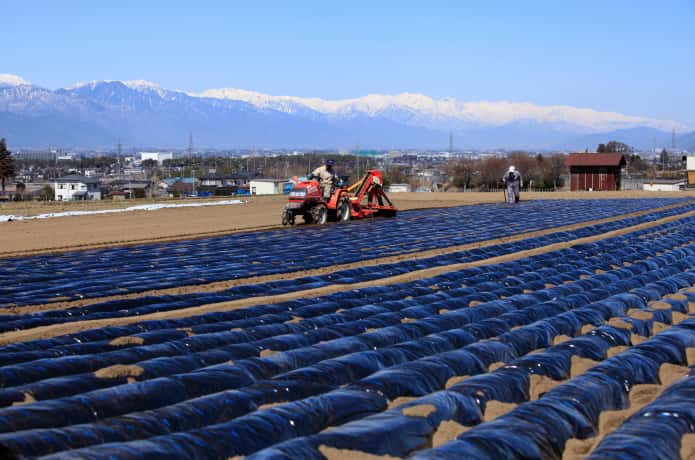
(86, 84)
(141, 84)
(8, 79)
(132, 84)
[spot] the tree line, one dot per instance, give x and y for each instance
(538, 171)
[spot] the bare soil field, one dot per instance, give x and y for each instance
(85, 232)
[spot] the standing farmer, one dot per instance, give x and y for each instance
(512, 179)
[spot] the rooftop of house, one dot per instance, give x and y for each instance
(667, 181)
(76, 178)
(271, 180)
(185, 180)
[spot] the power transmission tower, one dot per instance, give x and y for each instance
(190, 144)
(673, 139)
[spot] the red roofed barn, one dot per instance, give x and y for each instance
(595, 171)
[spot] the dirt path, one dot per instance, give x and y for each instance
(222, 285)
(43, 332)
(24, 238)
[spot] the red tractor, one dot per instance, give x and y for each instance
(345, 203)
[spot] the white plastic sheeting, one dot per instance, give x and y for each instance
(141, 207)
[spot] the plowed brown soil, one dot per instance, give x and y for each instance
(447, 431)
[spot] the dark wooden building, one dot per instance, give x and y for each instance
(595, 171)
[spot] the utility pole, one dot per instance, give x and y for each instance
(357, 155)
(120, 151)
(451, 141)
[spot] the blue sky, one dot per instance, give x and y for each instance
(634, 57)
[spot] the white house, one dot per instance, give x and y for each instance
(398, 188)
(70, 188)
(690, 167)
(159, 157)
(267, 186)
(664, 185)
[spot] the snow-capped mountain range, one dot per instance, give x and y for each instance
(98, 113)
(447, 109)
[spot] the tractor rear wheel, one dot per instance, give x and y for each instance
(343, 213)
(319, 214)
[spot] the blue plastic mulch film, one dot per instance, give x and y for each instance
(380, 369)
(151, 304)
(106, 272)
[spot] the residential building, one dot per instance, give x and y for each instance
(664, 185)
(242, 178)
(398, 188)
(267, 186)
(181, 188)
(130, 188)
(690, 168)
(74, 187)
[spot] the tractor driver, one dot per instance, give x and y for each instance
(326, 177)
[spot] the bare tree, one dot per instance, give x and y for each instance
(463, 172)
(553, 170)
(395, 175)
(491, 171)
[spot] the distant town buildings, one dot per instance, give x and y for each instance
(159, 157)
(87, 175)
